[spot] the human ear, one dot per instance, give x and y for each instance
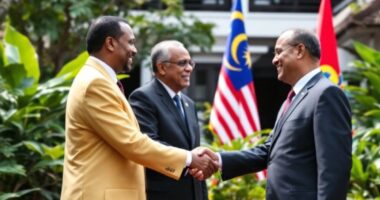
(109, 44)
(301, 50)
(161, 69)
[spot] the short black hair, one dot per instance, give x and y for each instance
(102, 27)
(309, 39)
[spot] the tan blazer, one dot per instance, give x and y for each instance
(105, 151)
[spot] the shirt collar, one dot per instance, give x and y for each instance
(106, 67)
(169, 90)
(306, 78)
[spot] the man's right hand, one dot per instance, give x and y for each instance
(204, 163)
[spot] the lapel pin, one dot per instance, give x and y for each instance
(186, 104)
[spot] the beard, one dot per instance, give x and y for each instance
(127, 67)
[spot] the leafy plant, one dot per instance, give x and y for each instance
(246, 187)
(58, 28)
(364, 92)
(31, 122)
(365, 173)
(150, 29)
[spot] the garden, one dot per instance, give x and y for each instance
(40, 53)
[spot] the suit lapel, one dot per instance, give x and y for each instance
(168, 102)
(298, 99)
(190, 118)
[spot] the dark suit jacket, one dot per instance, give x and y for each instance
(308, 154)
(159, 118)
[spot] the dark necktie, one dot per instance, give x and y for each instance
(179, 107)
(120, 85)
(178, 104)
(288, 101)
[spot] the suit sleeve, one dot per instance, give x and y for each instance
(145, 114)
(237, 163)
(332, 135)
(106, 113)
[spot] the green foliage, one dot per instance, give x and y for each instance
(150, 29)
(365, 173)
(365, 102)
(18, 49)
(246, 187)
(58, 28)
(71, 69)
(31, 123)
(13, 195)
(32, 111)
(365, 95)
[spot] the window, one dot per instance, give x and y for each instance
(287, 5)
(207, 5)
(254, 5)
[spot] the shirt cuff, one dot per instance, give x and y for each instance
(189, 159)
(220, 159)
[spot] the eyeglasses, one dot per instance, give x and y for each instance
(182, 63)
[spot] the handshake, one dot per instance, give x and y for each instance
(204, 163)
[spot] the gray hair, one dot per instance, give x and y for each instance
(160, 51)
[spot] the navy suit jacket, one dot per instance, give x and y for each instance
(159, 118)
(308, 153)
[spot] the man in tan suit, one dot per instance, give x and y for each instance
(105, 152)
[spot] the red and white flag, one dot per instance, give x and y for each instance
(234, 113)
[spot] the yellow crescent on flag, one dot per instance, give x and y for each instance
(333, 76)
(235, 44)
(229, 66)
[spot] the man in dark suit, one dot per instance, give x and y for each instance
(169, 116)
(308, 154)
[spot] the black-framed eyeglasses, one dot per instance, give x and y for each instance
(181, 63)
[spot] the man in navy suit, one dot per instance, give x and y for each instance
(308, 154)
(169, 116)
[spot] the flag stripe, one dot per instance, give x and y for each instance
(234, 113)
(253, 103)
(250, 98)
(234, 116)
(246, 109)
(225, 126)
(223, 111)
(230, 89)
(235, 99)
(218, 130)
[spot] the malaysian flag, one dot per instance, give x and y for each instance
(234, 113)
(329, 56)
